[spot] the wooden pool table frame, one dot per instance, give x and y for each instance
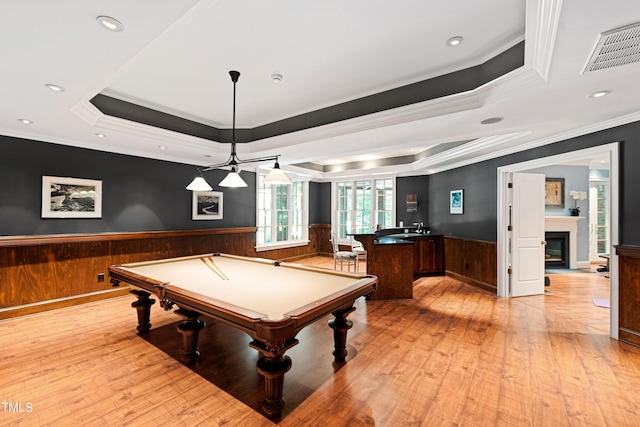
(271, 338)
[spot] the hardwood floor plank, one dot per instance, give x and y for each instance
(454, 355)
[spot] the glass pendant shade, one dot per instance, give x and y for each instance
(233, 180)
(276, 176)
(199, 184)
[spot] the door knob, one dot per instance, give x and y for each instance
(543, 243)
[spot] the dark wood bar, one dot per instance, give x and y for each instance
(629, 280)
(397, 258)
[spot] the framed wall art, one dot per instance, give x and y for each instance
(71, 197)
(554, 192)
(207, 205)
(456, 202)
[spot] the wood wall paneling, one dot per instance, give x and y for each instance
(629, 290)
(39, 273)
(472, 261)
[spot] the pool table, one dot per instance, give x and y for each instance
(269, 300)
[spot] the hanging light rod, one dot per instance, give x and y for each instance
(233, 179)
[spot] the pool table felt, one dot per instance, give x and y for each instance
(253, 284)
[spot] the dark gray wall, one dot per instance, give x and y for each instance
(138, 194)
(319, 203)
(142, 194)
(479, 182)
(418, 185)
(478, 220)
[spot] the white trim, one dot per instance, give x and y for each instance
(468, 148)
(541, 35)
(612, 150)
(281, 245)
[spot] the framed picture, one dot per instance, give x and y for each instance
(412, 202)
(71, 198)
(554, 192)
(206, 205)
(456, 202)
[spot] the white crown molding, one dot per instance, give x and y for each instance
(541, 29)
(469, 148)
(585, 130)
(87, 112)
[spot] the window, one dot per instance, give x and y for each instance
(282, 214)
(362, 206)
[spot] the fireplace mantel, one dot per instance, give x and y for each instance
(568, 224)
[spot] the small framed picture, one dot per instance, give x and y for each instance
(554, 192)
(206, 205)
(456, 202)
(71, 197)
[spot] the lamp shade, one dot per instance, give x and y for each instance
(276, 176)
(233, 180)
(199, 184)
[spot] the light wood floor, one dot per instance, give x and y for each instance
(452, 356)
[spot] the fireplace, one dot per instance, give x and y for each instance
(556, 251)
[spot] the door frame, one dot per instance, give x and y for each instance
(612, 150)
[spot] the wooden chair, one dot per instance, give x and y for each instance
(342, 256)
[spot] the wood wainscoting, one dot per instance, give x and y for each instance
(40, 273)
(472, 261)
(629, 293)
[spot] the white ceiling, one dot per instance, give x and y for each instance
(174, 57)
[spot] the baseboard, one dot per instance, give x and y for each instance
(628, 336)
(39, 307)
(478, 284)
(584, 264)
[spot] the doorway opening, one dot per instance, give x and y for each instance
(608, 151)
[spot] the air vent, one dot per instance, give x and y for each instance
(616, 47)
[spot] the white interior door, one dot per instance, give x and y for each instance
(527, 235)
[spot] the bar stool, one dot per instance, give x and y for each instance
(349, 257)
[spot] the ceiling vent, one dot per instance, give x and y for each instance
(616, 47)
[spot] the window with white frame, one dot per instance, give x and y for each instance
(282, 214)
(364, 205)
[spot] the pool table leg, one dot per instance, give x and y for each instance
(143, 307)
(340, 326)
(189, 328)
(272, 365)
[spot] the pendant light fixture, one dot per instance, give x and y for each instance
(233, 179)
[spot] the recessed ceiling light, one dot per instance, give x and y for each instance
(25, 121)
(277, 78)
(492, 120)
(599, 94)
(162, 147)
(54, 88)
(101, 135)
(454, 41)
(110, 23)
